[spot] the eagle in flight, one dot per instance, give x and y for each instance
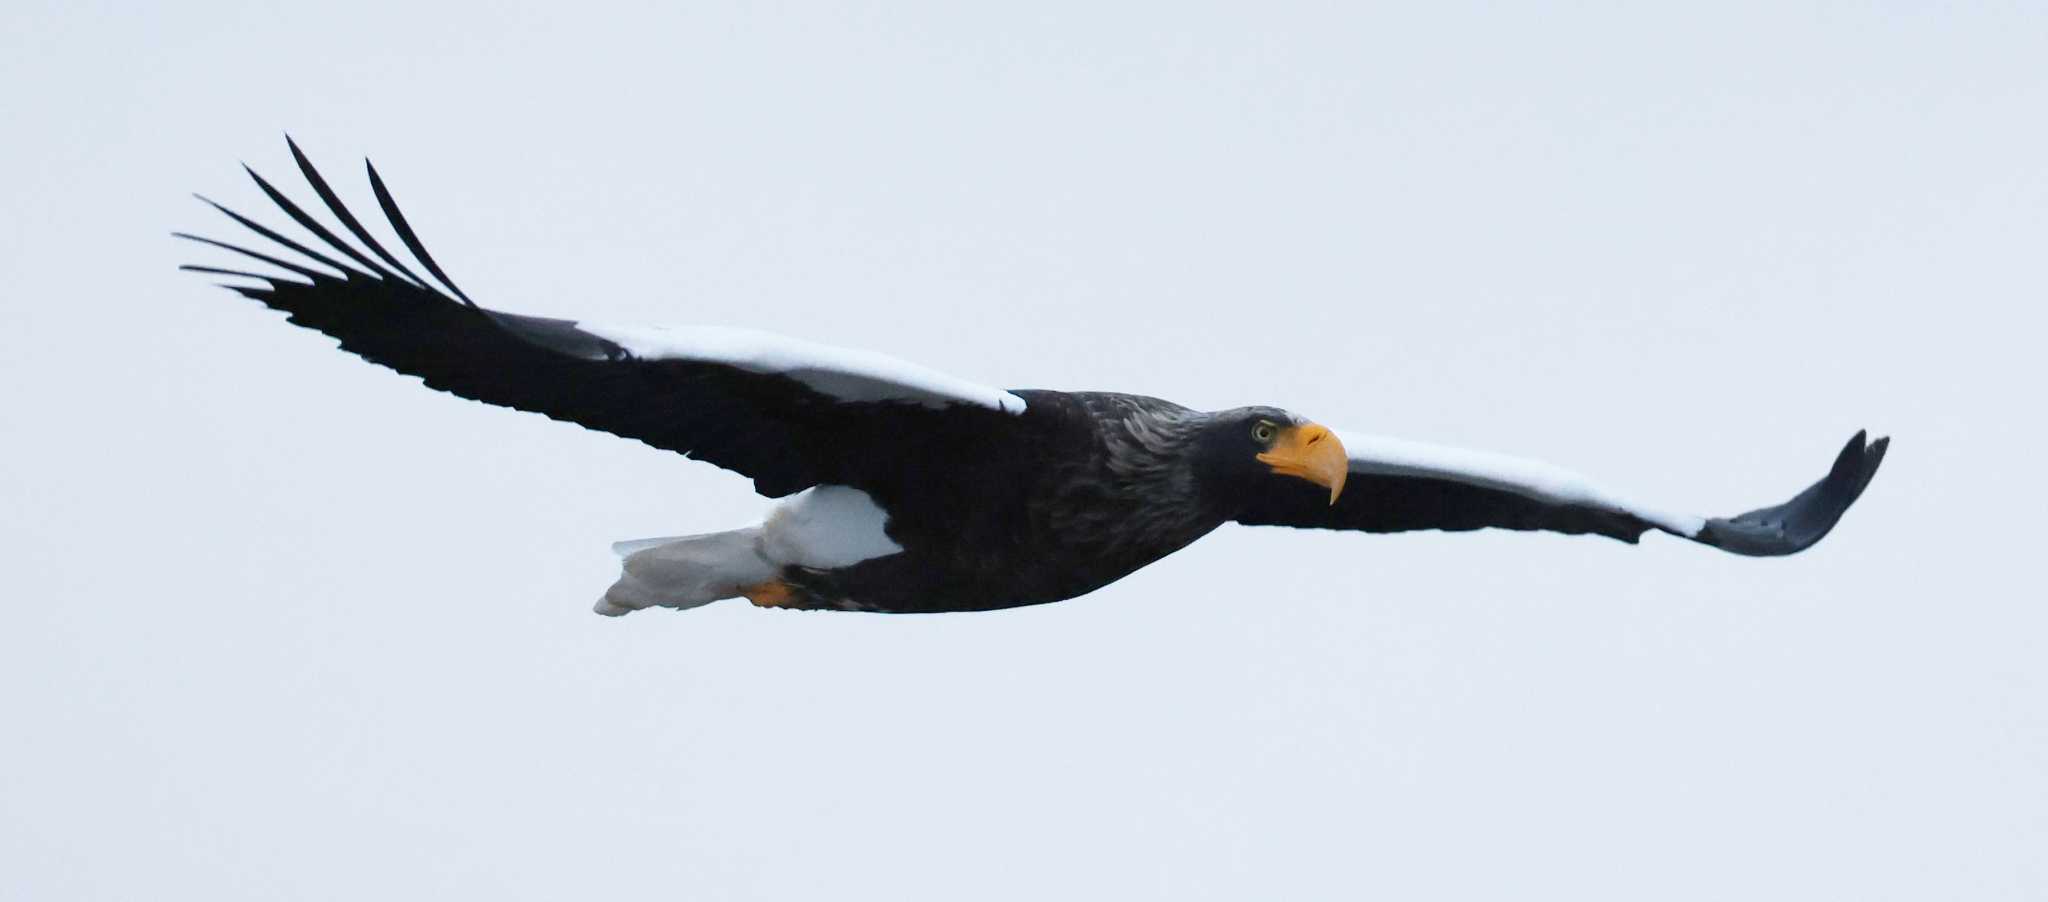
(903, 489)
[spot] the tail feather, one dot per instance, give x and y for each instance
(685, 571)
(630, 547)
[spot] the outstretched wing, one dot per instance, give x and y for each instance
(1397, 485)
(787, 413)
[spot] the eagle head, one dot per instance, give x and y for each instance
(1248, 447)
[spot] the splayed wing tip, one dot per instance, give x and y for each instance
(1800, 523)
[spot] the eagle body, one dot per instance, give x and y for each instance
(903, 489)
(1079, 491)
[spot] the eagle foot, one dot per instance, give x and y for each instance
(773, 594)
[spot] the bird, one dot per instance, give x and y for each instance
(900, 489)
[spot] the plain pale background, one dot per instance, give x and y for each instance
(280, 624)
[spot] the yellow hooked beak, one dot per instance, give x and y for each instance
(1310, 452)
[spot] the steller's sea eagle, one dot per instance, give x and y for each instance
(908, 490)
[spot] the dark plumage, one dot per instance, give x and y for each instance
(913, 491)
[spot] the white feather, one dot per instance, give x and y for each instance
(825, 528)
(1528, 478)
(845, 373)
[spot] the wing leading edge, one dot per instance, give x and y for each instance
(1397, 485)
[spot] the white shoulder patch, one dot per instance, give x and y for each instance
(848, 374)
(1528, 478)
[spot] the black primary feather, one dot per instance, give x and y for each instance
(341, 212)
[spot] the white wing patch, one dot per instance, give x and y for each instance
(1528, 478)
(848, 374)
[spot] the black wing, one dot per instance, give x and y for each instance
(1396, 486)
(788, 414)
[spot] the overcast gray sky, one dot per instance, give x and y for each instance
(281, 624)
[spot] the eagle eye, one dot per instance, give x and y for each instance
(1264, 432)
